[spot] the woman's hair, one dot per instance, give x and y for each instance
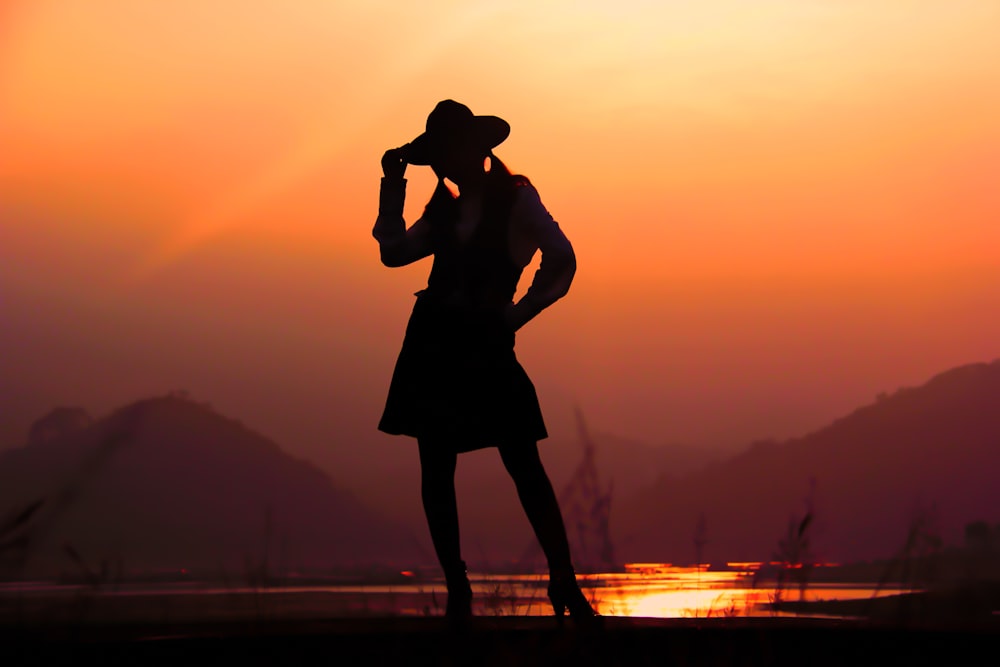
(501, 185)
(441, 203)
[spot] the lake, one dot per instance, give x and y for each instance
(642, 590)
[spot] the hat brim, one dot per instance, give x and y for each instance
(485, 133)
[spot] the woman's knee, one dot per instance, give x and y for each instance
(522, 460)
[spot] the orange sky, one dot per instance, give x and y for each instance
(780, 208)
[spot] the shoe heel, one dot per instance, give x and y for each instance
(565, 596)
(559, 608)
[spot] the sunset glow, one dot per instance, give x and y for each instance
(779, 208)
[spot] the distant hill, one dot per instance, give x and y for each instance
(931, 452)
(626, 462)
(169, 483)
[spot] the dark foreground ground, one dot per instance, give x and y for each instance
(500, 641)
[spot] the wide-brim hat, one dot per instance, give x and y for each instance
(452, 123)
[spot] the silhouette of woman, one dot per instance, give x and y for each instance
(457, 385)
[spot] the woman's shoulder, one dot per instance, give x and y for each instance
(525, 193)
(528, 209)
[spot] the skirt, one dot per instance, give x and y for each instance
(458, 381)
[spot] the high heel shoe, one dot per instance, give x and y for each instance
(458, 609)
(565, 594)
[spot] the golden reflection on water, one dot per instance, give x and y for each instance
(666, 591)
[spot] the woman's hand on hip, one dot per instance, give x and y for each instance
(513, 317)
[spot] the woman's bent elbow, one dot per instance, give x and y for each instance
(390, 259)
(396, 257)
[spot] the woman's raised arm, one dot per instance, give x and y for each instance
(398, 246)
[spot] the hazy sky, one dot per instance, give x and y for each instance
(780, 208)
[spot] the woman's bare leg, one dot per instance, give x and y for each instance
(437, 491)
(540, 504)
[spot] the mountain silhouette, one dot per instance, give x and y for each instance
(927, 454)
(169, 483)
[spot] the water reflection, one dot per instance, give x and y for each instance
(643, 590)
(664, 591)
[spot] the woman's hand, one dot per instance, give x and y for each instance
(394, 162)
(515, 316)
